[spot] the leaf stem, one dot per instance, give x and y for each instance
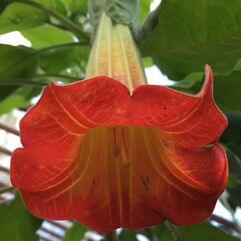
(111, 236)
(7, 189)
(58, 46)
(32, 82)
(21, 81)
(64, 20)
(60, 76)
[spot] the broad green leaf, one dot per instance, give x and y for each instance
(16, 223)
(57, 5)
(19, 98)
(15, 63)
(231, 136)
(144, 8)
(75, 233)
(64, 59)
(199, 232)
(147, 62)
(76, 6)
(238, 66)
(227, 91)
(234, 182)
(191, 34)
(3, 5)
(127, 235)
(205, 232)
(46, 36)
(18, 16)
(189, 83)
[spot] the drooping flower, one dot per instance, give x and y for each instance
(112, 151)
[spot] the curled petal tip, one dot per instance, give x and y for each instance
(207, 88)
(208, 68)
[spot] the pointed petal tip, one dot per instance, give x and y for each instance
(207, 88)
(208, 68)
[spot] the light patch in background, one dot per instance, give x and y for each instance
(14, 38)
(155, 76)
(141, 237)
(223, 212)
(155, 4)
(237, 215)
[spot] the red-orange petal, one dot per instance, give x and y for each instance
(94, 153)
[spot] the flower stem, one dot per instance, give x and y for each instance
(111, 236)
(114, 54)
(177, 236)
(6, 189)
(151, 234)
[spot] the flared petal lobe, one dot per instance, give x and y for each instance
(93, 152)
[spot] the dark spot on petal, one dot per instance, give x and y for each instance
(146, 182)
(94, 184)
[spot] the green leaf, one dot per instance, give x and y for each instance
(76, 6)
(45, 36)
(16, 223)
(190, 82)
(19, 98)
(232, 133)
(199, 232)
(75, 233)
(231, 136)
(31, 13)
(64, 59)
(3, 5)
(127, 235)
(234, 182)
(227, 91)
(191, 34)
(57, 5)
(18, 16)
(205, 231)
(15, 63)
(144, 8)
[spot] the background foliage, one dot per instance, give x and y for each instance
(180, 37)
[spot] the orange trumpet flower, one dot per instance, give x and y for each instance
(115, 152)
